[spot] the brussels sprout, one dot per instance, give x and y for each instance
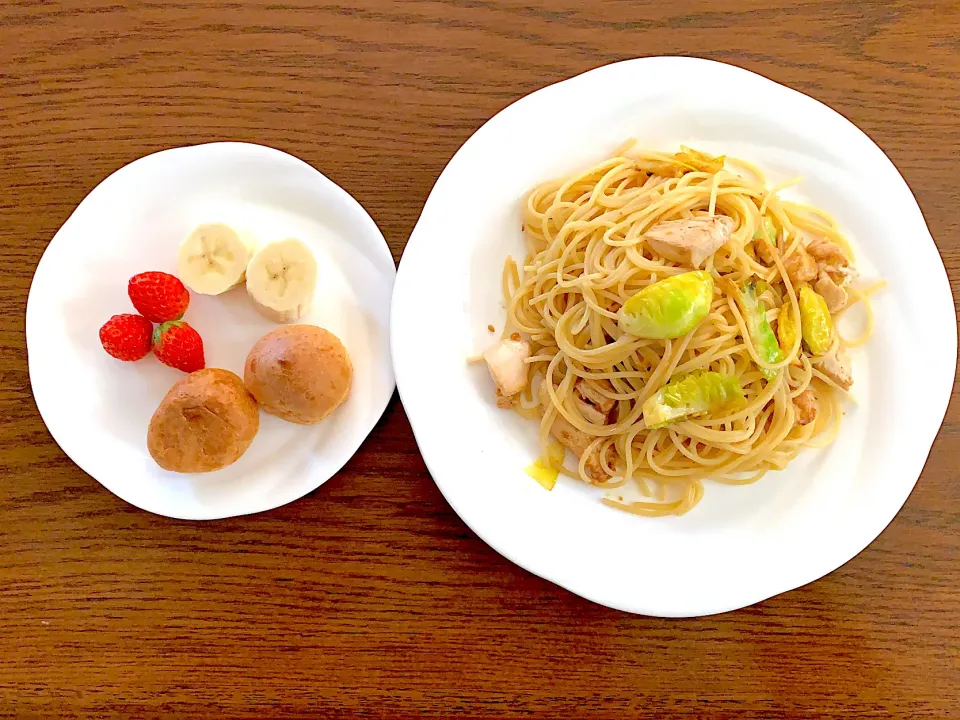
(695, 394)
(764, 341)
(815, 324)
(786, 328)
(669, 308)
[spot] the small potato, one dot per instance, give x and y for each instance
(300, 373)
(205, 422)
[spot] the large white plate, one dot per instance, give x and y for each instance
(98, 408)
(740, 544)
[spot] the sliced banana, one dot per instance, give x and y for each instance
(281, 278)
(213, 258)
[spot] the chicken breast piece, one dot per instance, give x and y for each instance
(575, 440)
(578, 442)
(836, 366)
(590, 411)
(589, 390)
(692, 241)
(834, 295)
(503, 402)
(800, 266)
(505, 360)
(831, 261)
(593, 404)
(805, 407)
(764, 250)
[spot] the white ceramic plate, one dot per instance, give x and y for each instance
(98, 408)
(740, 544)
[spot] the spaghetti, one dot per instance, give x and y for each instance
(591, 382)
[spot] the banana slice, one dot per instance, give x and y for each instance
(281, 278)
(213, 258)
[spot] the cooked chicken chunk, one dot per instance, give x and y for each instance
(578, 442)
(590, 411)
(835, 296)
(594, 405)
(764, 250)
(831, 261)
(503, 402)
(805, 407)
(505, 360)
(800, 266)
(692, 241)
(836, 366)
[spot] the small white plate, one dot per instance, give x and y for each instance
(98, 408)
(740, 544)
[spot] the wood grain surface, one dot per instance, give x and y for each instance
(369, 597)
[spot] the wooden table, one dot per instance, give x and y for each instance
(370, 598)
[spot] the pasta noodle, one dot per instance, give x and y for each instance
(588, 254)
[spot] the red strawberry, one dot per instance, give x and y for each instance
(178, 345)
(158, 296)
(126, 337)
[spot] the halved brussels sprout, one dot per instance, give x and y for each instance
(786, 328)
(695, 394)
(816, 327)
(761, 333)
(669, 308)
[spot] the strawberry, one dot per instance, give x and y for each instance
(126, 337)
(178, 345)
(158, 296)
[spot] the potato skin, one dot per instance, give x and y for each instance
(300, 373)
(205, 422)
